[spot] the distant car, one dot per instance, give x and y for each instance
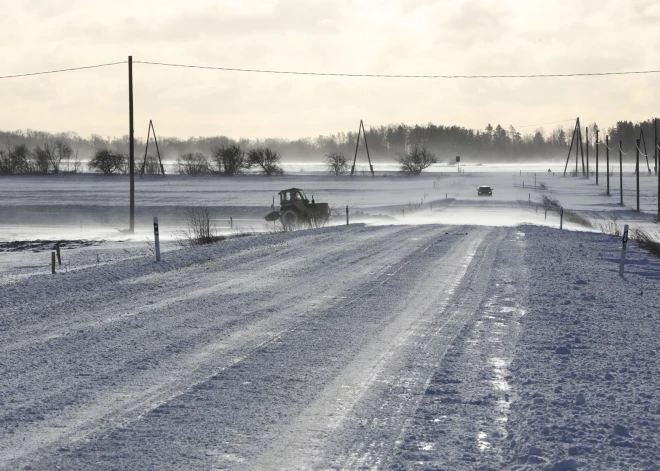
(484, 191)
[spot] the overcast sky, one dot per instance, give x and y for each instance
(371, 37)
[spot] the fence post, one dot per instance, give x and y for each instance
(231, 222)
(561, 219)
(52, 262)
(347, 215)
(623, 249)
(156, 239)
(57, 251)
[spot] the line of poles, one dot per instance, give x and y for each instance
(641, 141)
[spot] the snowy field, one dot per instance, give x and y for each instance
(438, 331)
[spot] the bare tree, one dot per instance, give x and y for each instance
(60, 150)
(193, 164)
(416, 160)
(108, 162)
(336, 163)
(16, 160)
(42, 158)
(76, 162)
(151, 165)
(267, 159)
(201, 229)
(230, 160)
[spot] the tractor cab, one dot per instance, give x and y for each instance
(292, 197)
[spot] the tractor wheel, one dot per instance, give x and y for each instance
(289, 220)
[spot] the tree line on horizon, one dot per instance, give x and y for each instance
(41, 152)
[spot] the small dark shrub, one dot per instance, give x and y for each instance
(193, 164)
(108, 162)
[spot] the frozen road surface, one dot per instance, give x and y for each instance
(308, 350)
(397, 347)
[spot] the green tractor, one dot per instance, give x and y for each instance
(296, 210)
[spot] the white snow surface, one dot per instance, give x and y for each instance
(349, 347)
(465, 334)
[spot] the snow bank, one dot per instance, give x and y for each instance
(586, 372)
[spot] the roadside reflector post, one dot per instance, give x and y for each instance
(623, 249)
(57, 251)
(561, 219)
(156, 239)
(347, 215)
(52, 262)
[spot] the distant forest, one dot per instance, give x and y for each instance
(385, 143)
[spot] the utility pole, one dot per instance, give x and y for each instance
(655, 151)
(637, 171)
(621, 172)
(586, 133)
(596, 156)
(131, 143)
(607, 156)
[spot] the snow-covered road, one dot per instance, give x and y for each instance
(287, 351)
(349, 347)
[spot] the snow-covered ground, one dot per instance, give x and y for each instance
(439, 330)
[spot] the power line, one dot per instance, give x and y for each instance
(329, 74)
(332, 74)
(61, 70)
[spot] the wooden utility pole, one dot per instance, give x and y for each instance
(357, 143)
(131, 151)
(146, 149)
(607, 155)
(581, 148)
(596, 156)
(570, 148)
(586, 133)
(655, 151)
(621, 172)
(637, 172)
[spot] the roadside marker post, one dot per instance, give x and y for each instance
(561, 219)
(52, 262)
(347, 215)
(156, 239)
(57, 251)
(623, 249)
(231, 222)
